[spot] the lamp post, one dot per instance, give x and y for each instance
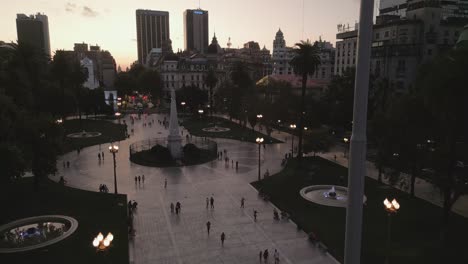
(114, 149)
(292, 126)
(259, 143)
(259, 117)
(345, 140)
(183, 106)
(101, 243)
(391, 208)
(200, 112)
(118, 114)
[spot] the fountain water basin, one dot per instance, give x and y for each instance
(328, 195)
(216, 129)
(84, 134)
(35, 232)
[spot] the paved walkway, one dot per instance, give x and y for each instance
(163, 237)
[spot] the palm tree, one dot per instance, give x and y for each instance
(211, 80)
(60, 68)
(305, 63)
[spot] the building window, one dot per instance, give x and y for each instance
(386, 33)
(377, 35)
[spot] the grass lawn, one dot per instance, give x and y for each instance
(415, 228)
(95, 212)
(195, 126)
(109, 132)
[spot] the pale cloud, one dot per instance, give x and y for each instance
(70, 7)
(88, 12)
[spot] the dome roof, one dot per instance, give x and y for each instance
(214, 47)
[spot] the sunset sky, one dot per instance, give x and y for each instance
(111, 24)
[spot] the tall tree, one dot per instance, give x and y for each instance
(305, 63)
(443, 86)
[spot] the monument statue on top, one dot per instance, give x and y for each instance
(174, 140)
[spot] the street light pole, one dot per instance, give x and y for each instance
(292, 126)
(391, 208)
(357, 157)
(259, 143)
(114, 149)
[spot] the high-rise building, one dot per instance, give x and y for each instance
(152, 31)
(196, 30)
(34, 31)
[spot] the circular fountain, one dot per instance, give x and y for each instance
(329, 195)
(35, 232)
(84, 134)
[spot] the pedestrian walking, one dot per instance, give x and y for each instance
(242, 202)
(276, 256)
(335, 157)
(208, 226)
(64, 164)
(265, 255)
(212, 202)
(102, 155)
(165, 183)
(255, 215)
(260, 256)
(136, 179)
(232, 163)
(143, 178)
(99, 156)
(237, 165)
(139, 179)
(178, 208)
(172, 208)
(207, 202)
(223, 237)
(68, 164)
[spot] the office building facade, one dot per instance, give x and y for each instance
(33, 30)
(152, 31)
(196, 30)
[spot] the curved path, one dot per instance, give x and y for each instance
(162, 237)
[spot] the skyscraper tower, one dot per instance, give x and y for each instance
(196, 30)
(33, 30)
(152, 31)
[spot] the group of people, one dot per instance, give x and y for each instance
(210, 202)
(177, 208)
(66, 164)
(132, 206)
(103, 188)
(265, 254)
(100, 156)
(139, 179)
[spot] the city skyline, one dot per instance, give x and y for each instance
(114, 29)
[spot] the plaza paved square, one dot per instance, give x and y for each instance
(164, 237)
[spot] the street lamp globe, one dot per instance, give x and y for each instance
(95, 242)
(292, 126)
(113, 148)
(182, 103)
(346, 140)
(200, 111)
(391, 207)
(259, 140)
